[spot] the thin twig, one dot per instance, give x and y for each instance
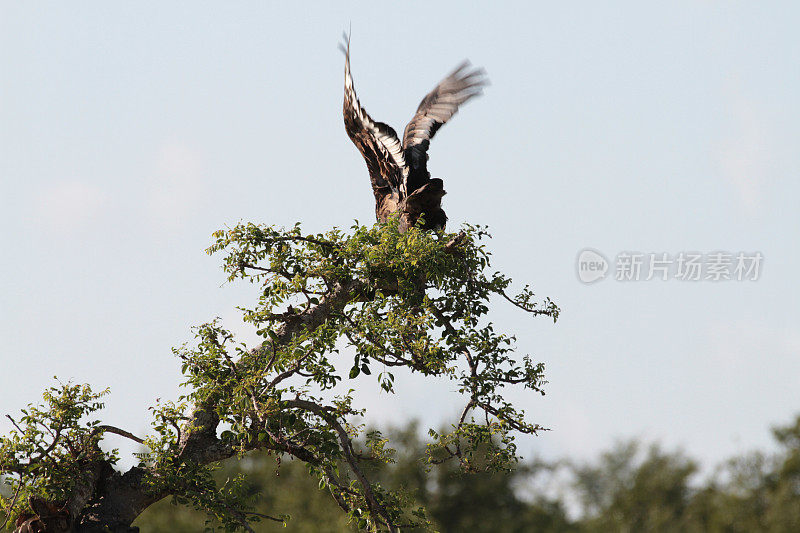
(347, 449)
(15, 424)
(276, 519)
(12, 504)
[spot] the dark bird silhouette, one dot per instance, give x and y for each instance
(398, 171)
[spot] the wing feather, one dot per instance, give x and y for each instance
(376, 141)
(433, 112)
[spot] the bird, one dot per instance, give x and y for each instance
(398, 170)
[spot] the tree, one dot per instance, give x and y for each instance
(278, 482)
(455, 502)
(625, 491)
(621, 493)
(756, 491)
(413, 300)
(628, 488)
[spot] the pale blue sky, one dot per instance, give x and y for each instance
(130, 131)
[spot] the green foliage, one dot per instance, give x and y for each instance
(753, 492)
(647, 495)
(455, 501)
(51, 446)
(416, 301)
(285, 485)
(628, 488)
(757, 491)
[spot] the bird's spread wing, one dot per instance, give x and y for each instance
(376, 141)
(442, 103)
(434, 111)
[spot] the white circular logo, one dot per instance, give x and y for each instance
(592, 266)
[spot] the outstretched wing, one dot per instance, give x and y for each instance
(376, 141)
(433, 112)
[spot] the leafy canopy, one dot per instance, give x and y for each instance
(416, 301)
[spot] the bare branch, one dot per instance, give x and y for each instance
(452, 245)
(261, 515)
(121, 432)
(15, 424)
